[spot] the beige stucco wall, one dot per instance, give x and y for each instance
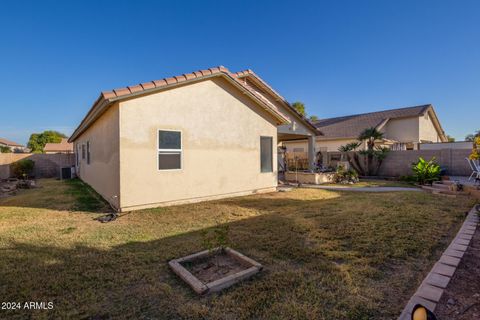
(103, 171)
(447, 145)
(402, 130)
(427, 131)
(221, 131)
(334, 144)
(320, 145)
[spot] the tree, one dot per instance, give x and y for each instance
(300, 107)
(37, 141)
(313, 118)
(450, 138)
(370, 135)
(373, 154)
(471, 137)
(475, 155)
(5, 149)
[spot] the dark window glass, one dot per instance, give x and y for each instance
(169, 140)
(77, 156)
(266, 152)
(83, 151)
(88, 152)
(169, 160)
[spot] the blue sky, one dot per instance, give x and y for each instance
(338, 57)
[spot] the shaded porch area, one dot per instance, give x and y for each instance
(303, 160)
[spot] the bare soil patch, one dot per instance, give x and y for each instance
(216, 266)
(461, 299)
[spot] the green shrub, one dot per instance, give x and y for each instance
(5, 149)
(345, 176)
(475, 155)
(23, 168)
(426, 172)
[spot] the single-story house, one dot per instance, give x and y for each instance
(61, 147)
(204, 135)
(13, 146)
(403, 129)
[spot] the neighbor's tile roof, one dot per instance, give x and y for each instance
(352, 126)
(9, 143)
(62, 146)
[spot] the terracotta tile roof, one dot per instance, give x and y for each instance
(108, 97)
(116, 93)
(250, 74)
(9, 143)
(351, 126)
(62, 146)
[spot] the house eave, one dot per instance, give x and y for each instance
(101, 104)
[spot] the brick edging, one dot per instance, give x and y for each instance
(431, 289)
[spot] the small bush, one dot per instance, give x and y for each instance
(475, 155)
(344, 176)
(23, 168)
(5, 149)
(426, 172)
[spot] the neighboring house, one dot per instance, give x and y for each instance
(61, 147)
(403, 129)
(13, 146)
(203, 135)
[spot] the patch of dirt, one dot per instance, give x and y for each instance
(461, 299)
(9, 187)
(214, 267)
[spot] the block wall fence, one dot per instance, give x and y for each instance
(398, 163)
(46, 165)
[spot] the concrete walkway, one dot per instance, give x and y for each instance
(360, 189)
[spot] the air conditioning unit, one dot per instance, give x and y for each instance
(67, 173)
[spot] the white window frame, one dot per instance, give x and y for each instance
(166, 151)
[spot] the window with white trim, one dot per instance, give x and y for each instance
(266, 154)
(83, 151)
(169, 150)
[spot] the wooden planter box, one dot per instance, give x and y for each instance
(248, 268)
(309, 177)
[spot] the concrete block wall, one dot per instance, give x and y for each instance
(46, 165)
(398, 163)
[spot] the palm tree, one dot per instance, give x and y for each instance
(370, 135)
(352, 158)
(300, 107)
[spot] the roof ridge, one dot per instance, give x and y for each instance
(108, 97)
(115, 93)
(247, 72)
(373, 112)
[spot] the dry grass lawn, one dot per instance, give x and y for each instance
(327, 255)
(369, 183)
